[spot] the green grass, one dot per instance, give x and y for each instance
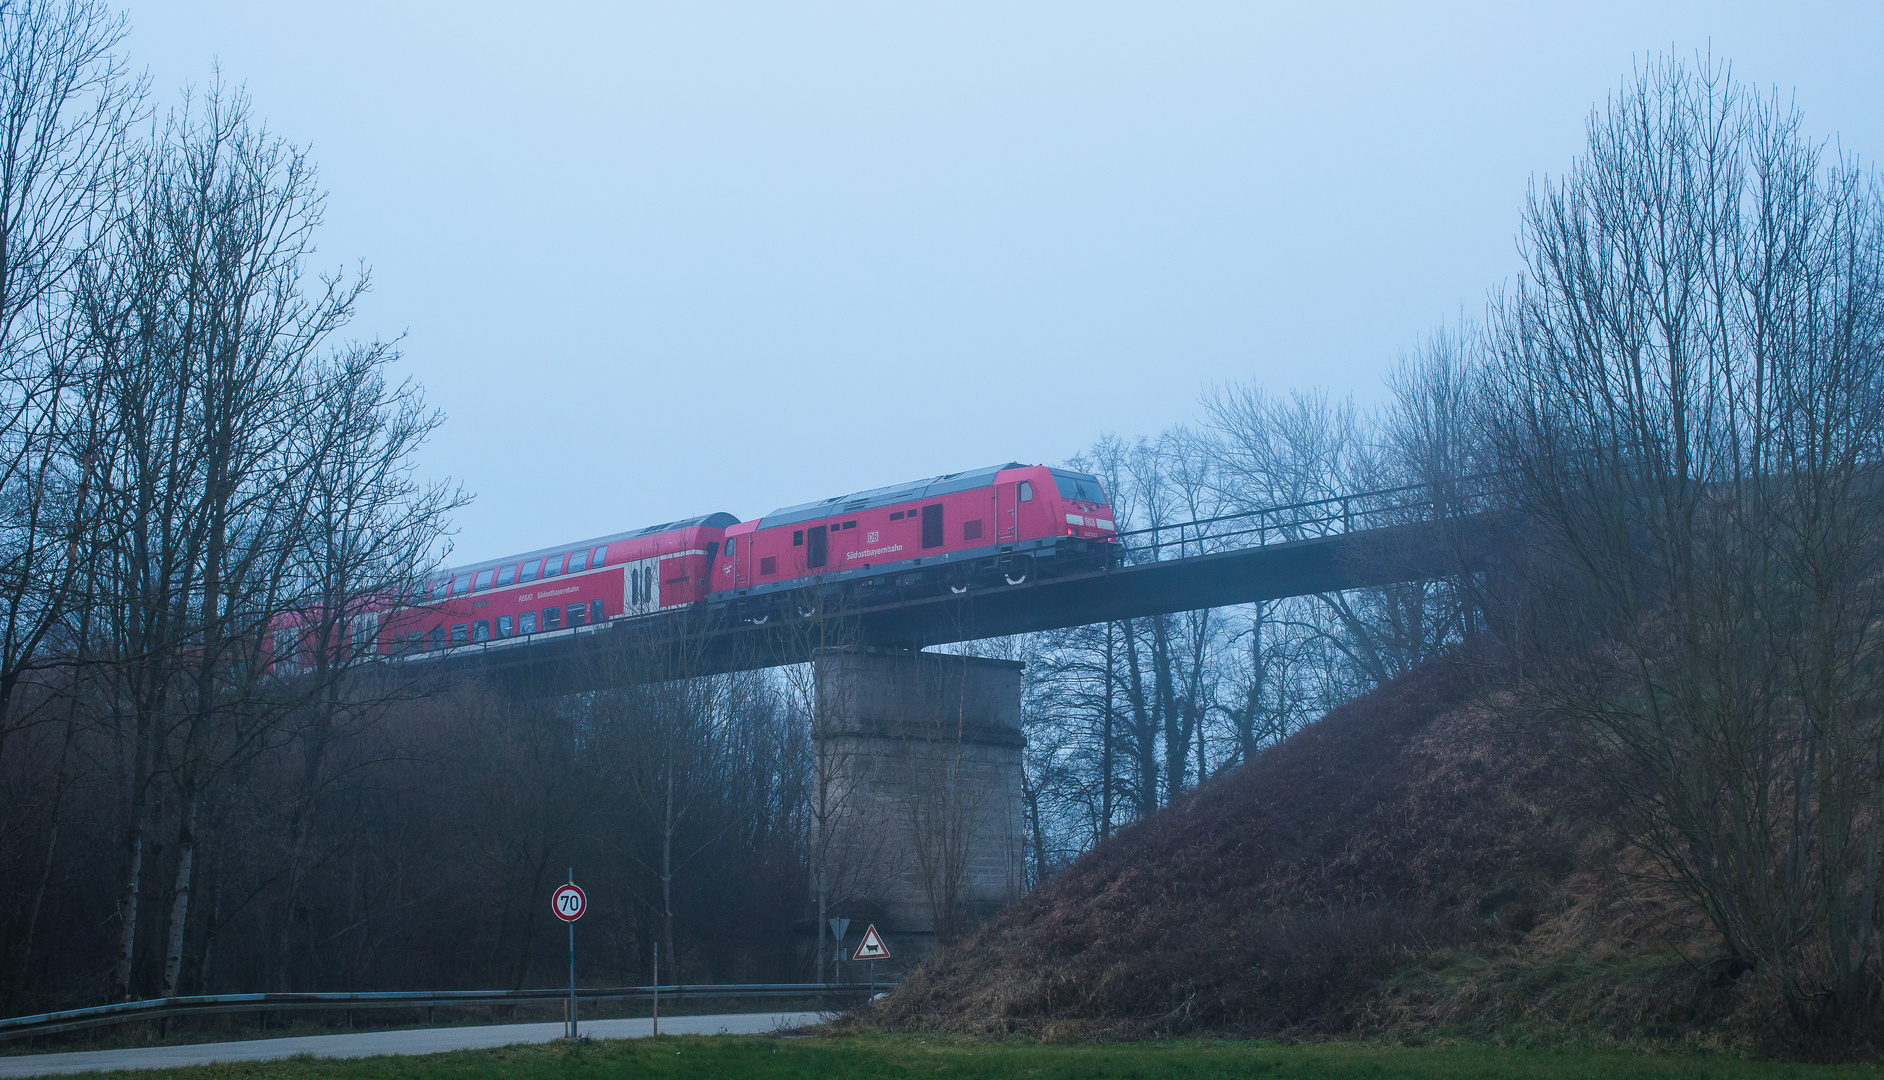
(689, 1056)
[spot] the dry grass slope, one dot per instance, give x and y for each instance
(1393, 870)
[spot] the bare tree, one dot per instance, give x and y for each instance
(1688, 395)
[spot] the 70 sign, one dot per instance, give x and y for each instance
(570, 902)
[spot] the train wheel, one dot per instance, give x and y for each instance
(758, 620)
(1016, 574)
(959, 589)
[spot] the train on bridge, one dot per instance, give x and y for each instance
(985, 528)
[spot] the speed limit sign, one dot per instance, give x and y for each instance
(570, 902)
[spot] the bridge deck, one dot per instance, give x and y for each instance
(686, 643)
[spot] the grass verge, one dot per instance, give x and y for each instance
(689, 1056)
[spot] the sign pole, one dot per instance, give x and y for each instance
(569, 902)
(657, 987)
(572, 966)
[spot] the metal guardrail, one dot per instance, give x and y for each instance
(125, 1012)
(1316, 517)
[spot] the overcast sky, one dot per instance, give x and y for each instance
(659, 260)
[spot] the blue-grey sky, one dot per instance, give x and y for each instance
(657, 260)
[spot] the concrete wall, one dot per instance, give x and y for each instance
(920, 763)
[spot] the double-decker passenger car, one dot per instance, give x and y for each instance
(995, 525)
(560, 588)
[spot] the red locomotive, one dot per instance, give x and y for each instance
(991, 527)
(958, 531)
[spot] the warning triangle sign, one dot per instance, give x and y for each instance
(872, 947)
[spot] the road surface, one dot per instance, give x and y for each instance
(375, 1043)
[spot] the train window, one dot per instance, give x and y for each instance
(526, 622)
(768, 565)
(971, 530)
(1026, 491)
(552, 566)
(552, 618)
(484, 580)
(506, 626)
(596, 559)
(578, 562)
(441, 588)
(798, 538)
(732, 546)
(932, 526)
(1078, 487)
(578, 614)
(595, 610)
(529, 571)
(461, 585)
(897, 516)
(850, 524)
(459, 634)
(816, 547)
(415, 642)
(438, 638)
(481, 630)
(507, 575)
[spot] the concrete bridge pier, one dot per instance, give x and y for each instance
(918, 820)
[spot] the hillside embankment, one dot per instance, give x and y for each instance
(1400, 869)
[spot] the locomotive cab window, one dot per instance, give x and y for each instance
(1079, 488)
(932, 526)
(1026, 491)
(732, 546)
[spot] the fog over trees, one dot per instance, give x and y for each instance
(1680, 398)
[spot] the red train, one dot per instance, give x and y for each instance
(990, 527)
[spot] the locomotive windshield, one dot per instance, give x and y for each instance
(1079, 487)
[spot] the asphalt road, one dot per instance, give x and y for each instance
(375, 1043)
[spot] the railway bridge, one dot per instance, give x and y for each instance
(919, 752)
(1325, 545)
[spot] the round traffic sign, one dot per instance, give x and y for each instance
(569, 902)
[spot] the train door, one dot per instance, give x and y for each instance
(1007, 511)
(741, 558)
(644, 587)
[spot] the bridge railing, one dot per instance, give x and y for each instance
(1311, 518)
(125, 1012)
